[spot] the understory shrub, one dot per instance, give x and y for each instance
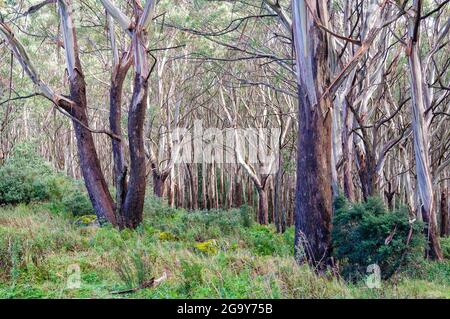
(445, 245)
(367, 233)
(76, 200)
(246, 216)
(264, 241)
(26, 177)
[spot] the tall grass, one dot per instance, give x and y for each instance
(249, 261)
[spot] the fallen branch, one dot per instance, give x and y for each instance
(147, 284)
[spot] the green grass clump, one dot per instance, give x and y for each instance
(445, 245)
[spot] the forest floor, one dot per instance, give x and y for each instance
(218, 254)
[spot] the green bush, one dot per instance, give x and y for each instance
(366, 233)
(26, 177)
(445, 245)
(265, 241)
(192, 273)
(246, 216)
(76, 201)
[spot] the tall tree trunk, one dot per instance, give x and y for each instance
(367, 172)
(313, 200)
(194, 184)
(420, 102)
(278, 206)
(238, 192)
(134, 202)
(158, 184)
(204, 181)
(115, 102)
(121, 67)
(89, 162)
(94, 179)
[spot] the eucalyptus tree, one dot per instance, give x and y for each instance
(314, 176)
(75, 106)
(421, 119)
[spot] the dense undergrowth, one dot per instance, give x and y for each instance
(205, 254)
(26, 177)
(50, 247)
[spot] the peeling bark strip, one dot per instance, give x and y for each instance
(313, 200)
(445, 218)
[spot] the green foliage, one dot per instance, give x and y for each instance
(164, 235)
(192, 273)
(208, 247)
(37, 247)
(445, 245)
(26, 177)
(246, 216)
(134, 267)
(264, 241)
(366, 233)
(24, 242)
(86, 220)
(76, 200)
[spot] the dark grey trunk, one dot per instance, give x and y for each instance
(263, 208)
(94, 179)
(134, 200)
(115, 112)
(313, 199)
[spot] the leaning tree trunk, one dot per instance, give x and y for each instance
(313, 199)
(89, 162)
(94, 179)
